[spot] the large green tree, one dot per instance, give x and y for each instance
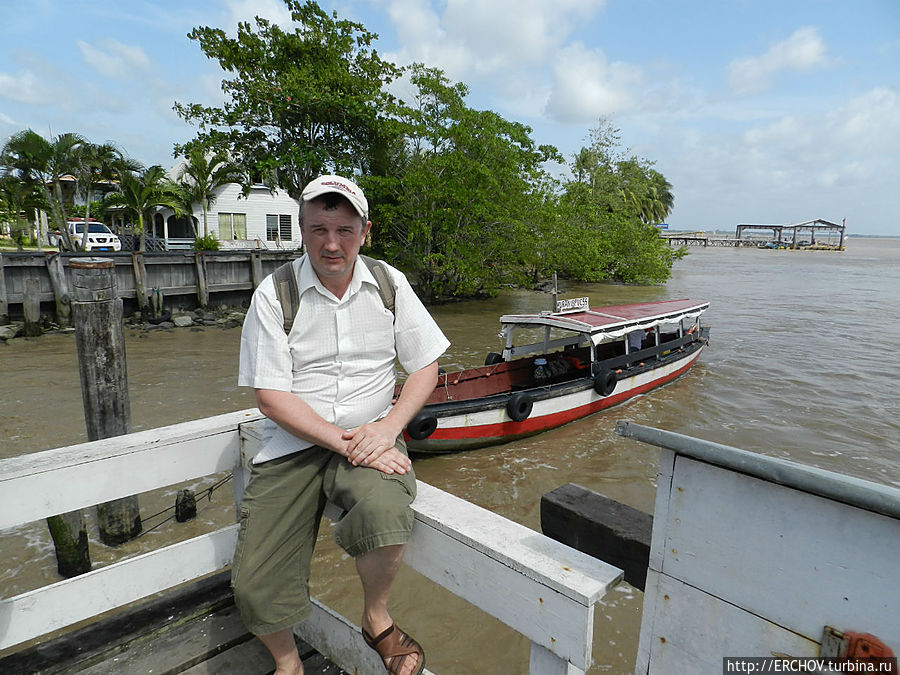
(301, 102)
(612, 205)
(457, 210)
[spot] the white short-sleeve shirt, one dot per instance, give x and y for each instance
(339, 357)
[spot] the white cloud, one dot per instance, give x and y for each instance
(482, 38)
(803, 50)
(246, 10)
(586, 87)
(24, 88)
(113, 58)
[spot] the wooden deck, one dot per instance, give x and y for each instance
(542, 589)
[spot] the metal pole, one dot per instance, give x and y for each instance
(847, 489)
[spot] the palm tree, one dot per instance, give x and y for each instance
(98, 162)
(45, 164)
(17, 199)
(206, 173)
(138, 193)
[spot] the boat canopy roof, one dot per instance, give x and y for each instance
(603, 324)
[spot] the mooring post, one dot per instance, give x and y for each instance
(202, 286)
(4, 302)
(31, 307)
(60, 289)
(256, 275)
(140, 281)
(100, 341)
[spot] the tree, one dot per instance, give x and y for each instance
(138, 193)
(96, 162)
(457, 210)
(301, 103)
(45, 164)
(202, 173)
(18, 199)
(612, 206)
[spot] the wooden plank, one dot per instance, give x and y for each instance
(41, 484)
(543, 589)
(542, 661)
(340, 640)
(693, 631)
(815, 559)
(66, 602)
(108, 637)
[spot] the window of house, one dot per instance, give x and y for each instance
(232, 225)
(278, 227)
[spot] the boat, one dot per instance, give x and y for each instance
(581, 360)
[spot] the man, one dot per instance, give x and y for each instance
(332, 433)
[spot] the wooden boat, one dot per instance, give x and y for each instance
(581, 360)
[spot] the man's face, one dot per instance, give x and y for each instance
(332, 238)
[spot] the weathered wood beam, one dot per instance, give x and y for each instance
(601, 527)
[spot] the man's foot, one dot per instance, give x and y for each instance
(400, 654)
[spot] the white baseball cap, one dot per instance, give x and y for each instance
(346, 188)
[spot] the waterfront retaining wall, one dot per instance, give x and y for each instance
(182, 279)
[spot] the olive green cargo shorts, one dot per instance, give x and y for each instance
(280, 516)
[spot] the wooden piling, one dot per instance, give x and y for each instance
(202, 285)
(140, 281)
(31, 307)
(60, 289)
(69, 533)
(100, 341)
(256, 275)
(4, 301)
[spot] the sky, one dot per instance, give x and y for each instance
(756, 111)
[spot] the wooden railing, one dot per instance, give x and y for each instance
(543, 589)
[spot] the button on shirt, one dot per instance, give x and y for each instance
(339, 357)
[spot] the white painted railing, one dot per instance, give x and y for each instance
(543, 589)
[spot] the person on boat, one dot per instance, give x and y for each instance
(332, 433)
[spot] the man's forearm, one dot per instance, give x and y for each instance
(296, 417)
(415, 392)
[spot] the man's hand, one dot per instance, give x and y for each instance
(367, 444)
(389, 462)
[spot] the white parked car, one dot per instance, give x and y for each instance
(100, 237)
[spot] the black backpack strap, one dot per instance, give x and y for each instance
(288, 293)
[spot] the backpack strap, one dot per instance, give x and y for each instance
(288, 293)
(386, 288)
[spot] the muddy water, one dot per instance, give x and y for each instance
(802, 365)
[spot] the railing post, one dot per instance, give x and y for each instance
(100, 341)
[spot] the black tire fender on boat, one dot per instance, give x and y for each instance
(605, 382)
(492, 358)
(421, 426)
(519, 406)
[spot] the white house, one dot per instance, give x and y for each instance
(263, 219)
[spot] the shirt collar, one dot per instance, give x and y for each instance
(307, 278)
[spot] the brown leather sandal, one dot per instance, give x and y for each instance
(394, 646)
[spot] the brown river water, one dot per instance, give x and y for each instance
(802, 364)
